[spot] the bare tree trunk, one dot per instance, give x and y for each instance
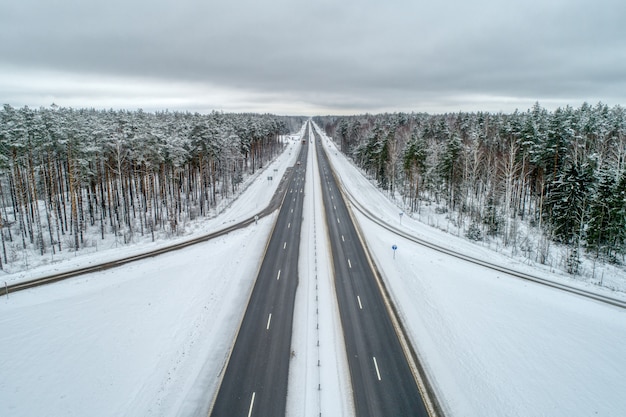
(73, 200)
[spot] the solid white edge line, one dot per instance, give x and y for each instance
(376, 366)
(269, 319)
(251, 404)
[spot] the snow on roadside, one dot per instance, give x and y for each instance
(495, 345)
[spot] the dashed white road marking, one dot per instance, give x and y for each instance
(376, 366)
(359, 300)
(269, 320)
(349, 263)
(278, 276)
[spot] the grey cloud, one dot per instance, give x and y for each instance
(336, 54)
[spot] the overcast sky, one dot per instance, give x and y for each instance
(313, 57)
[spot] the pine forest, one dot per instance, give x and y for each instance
(67, 175)
(529, 180)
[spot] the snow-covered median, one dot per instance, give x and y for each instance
(319, 378)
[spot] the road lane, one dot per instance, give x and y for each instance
(383, 384)
(255, 380)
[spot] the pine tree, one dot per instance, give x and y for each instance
(448, 168)
(567, 202)
(414, 164)
(600, 231)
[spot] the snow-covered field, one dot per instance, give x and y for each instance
(151, 338)
(132, 341)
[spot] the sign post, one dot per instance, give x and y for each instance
(394, 247)
(400, 214)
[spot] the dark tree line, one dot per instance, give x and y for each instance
(562, 172)
(64, 171)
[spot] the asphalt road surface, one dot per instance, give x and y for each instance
(382, 382)
(255, 379)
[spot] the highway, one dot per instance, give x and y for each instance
(255, 380)
(255, 377)
(382, 381)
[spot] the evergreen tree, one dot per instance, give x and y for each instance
(414, 165)
(448, 168)
(606, 232)
(567, 202)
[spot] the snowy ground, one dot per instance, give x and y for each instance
(151, 338)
